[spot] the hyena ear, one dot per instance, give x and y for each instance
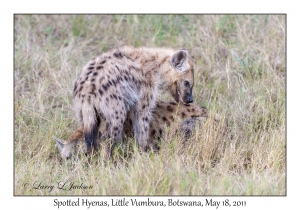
(179, 59)
(60, 144)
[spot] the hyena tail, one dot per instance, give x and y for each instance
(91, 122)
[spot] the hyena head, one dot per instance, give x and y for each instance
(67, 150)
(181, 88)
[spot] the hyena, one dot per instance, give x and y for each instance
(128, 79)
(164, 115)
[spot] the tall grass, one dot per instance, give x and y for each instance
(240, 74)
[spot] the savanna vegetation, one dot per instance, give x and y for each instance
(240, 75)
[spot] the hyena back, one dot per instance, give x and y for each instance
(128, 79)
(165, 114)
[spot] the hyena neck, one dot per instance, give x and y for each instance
(164, 73)
(166, 78)
(157, 61)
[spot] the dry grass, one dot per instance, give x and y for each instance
(240, 74)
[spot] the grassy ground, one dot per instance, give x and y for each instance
(240, 74)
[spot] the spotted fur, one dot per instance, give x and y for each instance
(124, 83)
(165, 114)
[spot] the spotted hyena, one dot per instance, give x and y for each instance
(128, 80)
(181, 116)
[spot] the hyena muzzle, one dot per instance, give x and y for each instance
(125, 81)
(165, 114)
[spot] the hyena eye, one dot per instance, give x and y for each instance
(186, 83)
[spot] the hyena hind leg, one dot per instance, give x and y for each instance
(112, 131)
(141, 126)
